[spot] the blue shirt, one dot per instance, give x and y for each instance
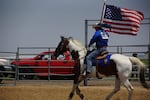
(100, 37)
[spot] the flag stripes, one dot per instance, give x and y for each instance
(122, 20)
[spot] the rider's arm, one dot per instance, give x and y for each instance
(94, 38)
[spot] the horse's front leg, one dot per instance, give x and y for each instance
(79, 93)
(77, 80)
(75, 85)
(76, 88)
(72, 91)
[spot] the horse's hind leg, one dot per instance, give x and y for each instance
(129, 87)
(116, 89)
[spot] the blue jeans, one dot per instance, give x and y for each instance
(92, 56)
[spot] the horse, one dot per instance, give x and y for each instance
(120, 66)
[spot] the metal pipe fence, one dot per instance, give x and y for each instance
(7, 71)
(43, 70)
(141, 51)
(25, 72)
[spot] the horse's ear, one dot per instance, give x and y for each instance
(62, 37)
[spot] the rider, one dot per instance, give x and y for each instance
(100, 37)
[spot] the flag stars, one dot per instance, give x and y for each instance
(113, 12)
(108, 13)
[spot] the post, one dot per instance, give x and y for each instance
(86, 43)
(103, 11)
(86, 33)
(49, 64)
(16, 68)
(149, 50)
(17, 65)
(149, 60)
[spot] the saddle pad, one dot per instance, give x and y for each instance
(102, 62)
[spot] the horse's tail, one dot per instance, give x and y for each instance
(141, 67)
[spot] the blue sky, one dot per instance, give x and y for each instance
(40, 23)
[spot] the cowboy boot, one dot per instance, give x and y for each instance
(98, 76)
(82, 76)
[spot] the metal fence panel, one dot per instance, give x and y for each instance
(7, 71)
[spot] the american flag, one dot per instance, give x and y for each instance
(122, 20)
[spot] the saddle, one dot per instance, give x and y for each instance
(102, 56)
(101, 60)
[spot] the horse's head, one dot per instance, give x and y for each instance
(71, 44)
(62, 46)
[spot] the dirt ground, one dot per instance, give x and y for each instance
(59, 90)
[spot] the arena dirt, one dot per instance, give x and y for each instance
(59, 90)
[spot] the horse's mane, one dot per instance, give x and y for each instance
(77, 42)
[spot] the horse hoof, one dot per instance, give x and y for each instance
(107, 99)
(81, 96)
(71, 95)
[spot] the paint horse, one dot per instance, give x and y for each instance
(119, 65)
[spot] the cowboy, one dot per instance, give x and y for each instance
(100, 37)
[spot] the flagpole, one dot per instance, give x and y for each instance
(103, 11)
